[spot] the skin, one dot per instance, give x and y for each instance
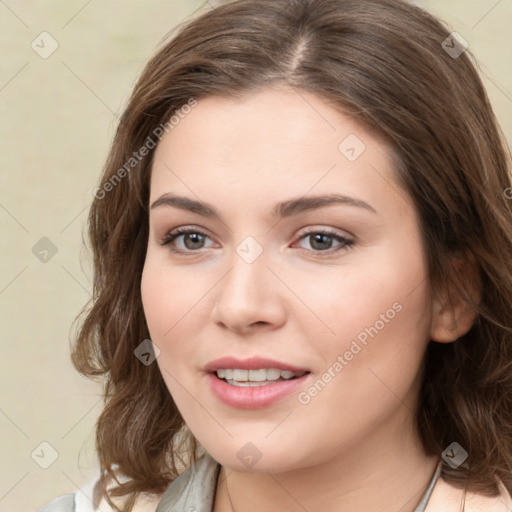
(355, 442)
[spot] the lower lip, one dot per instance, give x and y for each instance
(254, 397)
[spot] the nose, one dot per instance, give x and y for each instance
(250, 297)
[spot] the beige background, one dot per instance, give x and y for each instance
(58, 116)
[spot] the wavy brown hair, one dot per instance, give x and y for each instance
(383, 62)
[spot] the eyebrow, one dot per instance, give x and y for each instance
(282, 209)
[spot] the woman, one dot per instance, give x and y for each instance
(303, 282)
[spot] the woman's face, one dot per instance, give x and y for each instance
(257, 182)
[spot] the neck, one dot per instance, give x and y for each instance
(386, 471)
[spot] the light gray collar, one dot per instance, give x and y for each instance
(422, 505)
(194, 489)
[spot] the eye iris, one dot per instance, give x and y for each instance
(195, 237)
(319, 237)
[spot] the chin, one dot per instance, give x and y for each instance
(254, 458)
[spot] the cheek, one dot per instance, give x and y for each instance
(156, 298)
(371, 365)
(172, 303)
(160, 293)
(380, 319)
(170, 296)
(378, 297)
(374, 316)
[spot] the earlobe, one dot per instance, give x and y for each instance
(452, 314)
(450, 323)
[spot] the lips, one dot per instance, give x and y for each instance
(254, 395)
(253, 363)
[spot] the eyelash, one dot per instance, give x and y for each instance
(345, 242)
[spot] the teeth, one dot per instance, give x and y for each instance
(258, 375)
(273, 374)
(247, 384)
(240, 375)
(262, 375)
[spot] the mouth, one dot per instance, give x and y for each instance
(254, 383)
(257, 377)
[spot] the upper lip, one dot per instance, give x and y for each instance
(253, 363)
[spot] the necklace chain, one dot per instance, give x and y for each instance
(233, 508)
(229, 496)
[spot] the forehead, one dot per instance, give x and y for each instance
(251, 118)
(271, 141)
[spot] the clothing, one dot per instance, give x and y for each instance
(194, 491)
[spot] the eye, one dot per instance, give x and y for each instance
(193, 239)
(321, 241)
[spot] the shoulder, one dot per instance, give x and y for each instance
(80, 502)
(479, 503)
(64, 503)
(194, 486)
(84, 499)
(447, 498)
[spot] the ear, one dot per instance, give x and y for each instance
(452, 315)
